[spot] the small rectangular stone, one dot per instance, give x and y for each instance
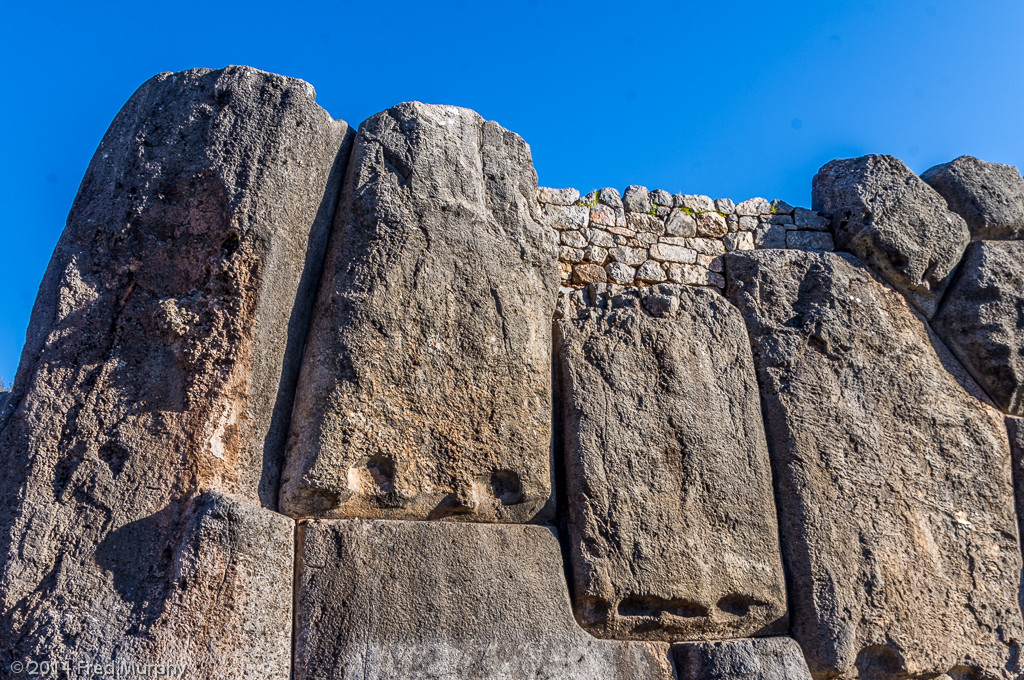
(573, 239)
(770, 236)
(754, 206)
(644, 222)
(808, 219)
(565, 217)
(809, 240)
(557, 196)
(664, 252)
(607, 216)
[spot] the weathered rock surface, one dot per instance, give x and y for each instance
(204, 582)
(161, 357)
(1015, 430)
(442, 600)
(989, 196)
(672, 527)
(893, 480)
(895, 223)
(773, 658)
(425, 389)
(981, 319)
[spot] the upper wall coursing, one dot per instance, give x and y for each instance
(645, 237)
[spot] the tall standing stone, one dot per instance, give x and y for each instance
(426, 384)
(672, 527)
(447, 601)
(160, 363)
(989, 196)
(982, 319)
(893, 476)
(894, 222)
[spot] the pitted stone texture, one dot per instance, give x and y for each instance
(773, 658)
(425, 389)
(895, 223)
(637, 199)
(672, 524)
(204, 582)
(809, 240)
(161, 355)
(557, 196)
(981, 319)
(989, 196)
(892, 475)
(446, 601)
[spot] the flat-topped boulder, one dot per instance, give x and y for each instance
(892, 475)
(989, 196)
(397, 600)
(980, 319)
(160, 362)
(672, 527)
(894, 222)
(426, 383)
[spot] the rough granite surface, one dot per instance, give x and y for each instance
(892, 475)
(982, 319)
(447, 601)
(160, 362)
(989, 196)
(425, 390)
(771, 658)
(894, 222)
(672, 527)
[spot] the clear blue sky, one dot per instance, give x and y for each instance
(732, 99)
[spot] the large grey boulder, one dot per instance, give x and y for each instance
(772, 658)
(981, 319)
(989, 196)
(447, 601)
(162, 355)
(892, 475)
(204, 583)
(426, 384)
(672, 527)
(895, 223)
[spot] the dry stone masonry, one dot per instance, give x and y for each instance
(646, 237)
(300, 402)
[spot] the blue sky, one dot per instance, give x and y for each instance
(731, 99)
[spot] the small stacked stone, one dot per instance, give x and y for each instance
(642, 237)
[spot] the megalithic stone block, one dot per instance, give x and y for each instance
(989, 196)
(894, 222)
(771, 658)
(981, 319)
(425, 389)
(672, 527)
(892, 476)
(164, 345)
(399, 600)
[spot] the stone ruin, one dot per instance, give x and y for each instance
(302, 401)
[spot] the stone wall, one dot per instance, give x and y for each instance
(282, 415)
(645, 237)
